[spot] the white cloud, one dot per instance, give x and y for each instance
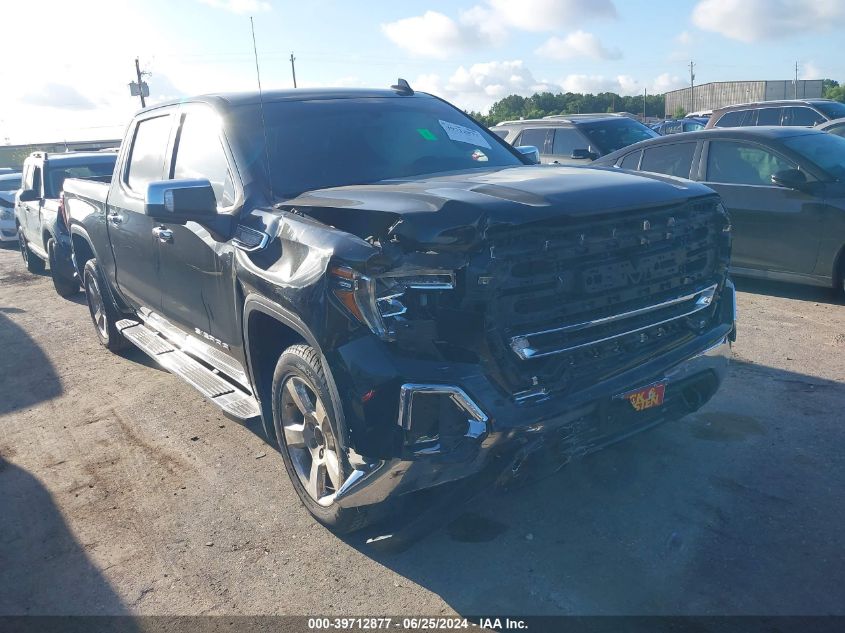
(239, 7)
(548, 15)
(434, 34)
(61, 96)
(810, 70)
(577, 44)
(757, 20)
(684, 38)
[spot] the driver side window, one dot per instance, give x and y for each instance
(736, 163)
(199, 154)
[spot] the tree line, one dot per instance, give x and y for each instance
(542, 104)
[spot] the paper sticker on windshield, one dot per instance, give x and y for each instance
(464, 134)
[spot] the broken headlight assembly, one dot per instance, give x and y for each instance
(376, 301)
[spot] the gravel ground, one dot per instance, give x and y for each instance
(123, 491)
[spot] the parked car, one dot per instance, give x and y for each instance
(784, 189)
(10, 182)
(837, 126)
(42, 231)
(791, 112)
(676, 126)
(397, 292)
(575, 138)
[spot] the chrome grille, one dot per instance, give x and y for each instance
(569, 296)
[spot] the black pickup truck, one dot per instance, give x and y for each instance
(401, 296)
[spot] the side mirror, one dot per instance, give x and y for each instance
(582, 154)
(790, 178)
(530, 152)
(180, 200)
(28, 195)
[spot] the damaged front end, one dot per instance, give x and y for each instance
(524, 337)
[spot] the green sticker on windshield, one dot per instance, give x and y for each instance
(426, 134)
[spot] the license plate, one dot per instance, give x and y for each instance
(647, 397)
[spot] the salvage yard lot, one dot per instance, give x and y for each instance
(123, 491)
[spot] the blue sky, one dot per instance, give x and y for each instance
(472, 52)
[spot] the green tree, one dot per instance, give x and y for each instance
(680, 113)
(831, 89)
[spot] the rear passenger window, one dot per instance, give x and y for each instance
(535, 136)
(199, 154)
(801, 116)
(768, 116)
(672, 160)
(146, 160)
(731, 119)
(631, 161)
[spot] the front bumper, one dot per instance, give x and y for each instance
(575, 424)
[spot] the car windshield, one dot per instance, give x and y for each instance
(100, 167)
(831, 109)
(609, 136)
(827, 151)
(334, 142)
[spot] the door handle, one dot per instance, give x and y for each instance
(163, 234)
(115, 218)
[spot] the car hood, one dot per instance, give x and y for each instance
(454, 210)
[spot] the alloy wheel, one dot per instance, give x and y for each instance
(97, 307)
(310, 441)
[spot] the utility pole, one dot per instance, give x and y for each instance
(796, 80)
(293, 68)
(140, 83)
(692, 86)
(645, 94)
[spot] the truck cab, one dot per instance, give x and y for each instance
(42, 231)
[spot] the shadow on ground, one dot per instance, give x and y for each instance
(733, 510)
(25, 384)
(44, 570)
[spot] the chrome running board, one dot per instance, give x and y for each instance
(226, 394)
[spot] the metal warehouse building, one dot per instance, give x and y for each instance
(722, 93)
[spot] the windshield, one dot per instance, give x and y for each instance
(831, 109)
(335, 142)
(827, 151)
(609, 136)
(101, 167)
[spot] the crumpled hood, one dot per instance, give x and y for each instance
(453, 211)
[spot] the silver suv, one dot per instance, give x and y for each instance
(574, 138)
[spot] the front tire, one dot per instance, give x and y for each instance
(103, 312)
(33, 263)
(64, 286)
(307, 431)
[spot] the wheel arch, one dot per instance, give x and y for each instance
(269, 329)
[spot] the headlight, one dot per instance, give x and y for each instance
(375, 301)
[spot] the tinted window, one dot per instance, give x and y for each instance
(500, 133)
(768, 116)
(672, 160)
(12, 183)
(33, 180)
(56, 175)
(831, 109)
(839, 130)
(742, 164)
(825, 150)
(335, 142)
(692, 126)
(613, 134)
(566, 140)
(535, 136)
(731, 119)
(631, 161)
(199, 154)
(146, 162)
(801, 116)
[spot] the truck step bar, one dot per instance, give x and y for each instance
(233, 399)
